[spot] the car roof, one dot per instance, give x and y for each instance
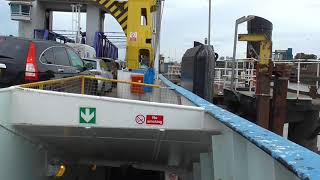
(34, 40)
(91, 59)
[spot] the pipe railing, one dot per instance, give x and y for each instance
(300, 62)
(223, 74)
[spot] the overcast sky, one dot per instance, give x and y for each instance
(184, 21)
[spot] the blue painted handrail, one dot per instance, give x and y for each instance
(301, 161)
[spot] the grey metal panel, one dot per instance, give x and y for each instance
(20, 159)
(127, 145)
(197, 71)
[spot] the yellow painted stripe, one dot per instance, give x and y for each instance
(124, 24)
(122, 17)
(125, 5)
(102, 1)
(113, 8)
(117, 13)
(108, 4)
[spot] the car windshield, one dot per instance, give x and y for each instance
(104, 66)
(94, 63)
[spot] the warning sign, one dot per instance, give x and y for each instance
(155, 119)
(133, 36)
(140, 119)
(173, 176)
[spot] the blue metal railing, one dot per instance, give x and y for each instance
(304, 163)
(44, 34)
(104, 47)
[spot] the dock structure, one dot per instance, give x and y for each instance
(170, 130)
(141, 30)
(41, 16)
(270, 92)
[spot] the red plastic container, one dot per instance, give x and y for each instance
(137, 89)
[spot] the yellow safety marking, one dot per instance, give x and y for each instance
(113, 8)
(252, 37)
(65, 80)
(54, 81)
(122, 17)
(108, 4)
(102, 1)
(116, 9)
(120, 81)
(123, 25)
(117, 13)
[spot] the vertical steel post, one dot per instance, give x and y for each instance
(82, 84)
(318, 71)
(209, 30)
(234, 55)
(264, 71)
(263, 96)
(298, 81)
(238, 21)
(78, 25)
(279, 100)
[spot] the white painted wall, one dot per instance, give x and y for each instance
(36, 107)
(20, 158)
(234, 157)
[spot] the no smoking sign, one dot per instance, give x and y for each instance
(140, 119)
(151, 120)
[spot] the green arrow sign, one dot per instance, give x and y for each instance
(87, 115)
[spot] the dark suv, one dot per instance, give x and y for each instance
(27, 60)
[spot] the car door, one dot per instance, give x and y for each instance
(62, 61)
(76, 62)
(47, 67)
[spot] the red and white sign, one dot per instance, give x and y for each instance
(140, 119)
(155, 119)
(133, 36)
(173, 176)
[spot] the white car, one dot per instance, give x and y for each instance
(83, 50)
(100, 69)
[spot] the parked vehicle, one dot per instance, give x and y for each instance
(83, 50)
(3, 67)
(101, 69)
(28, 60)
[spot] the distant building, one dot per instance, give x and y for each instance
(283, 54)
(171, 70)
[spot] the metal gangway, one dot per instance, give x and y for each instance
(69, 122)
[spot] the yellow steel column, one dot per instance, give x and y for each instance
(135, 18)
(139, 32)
